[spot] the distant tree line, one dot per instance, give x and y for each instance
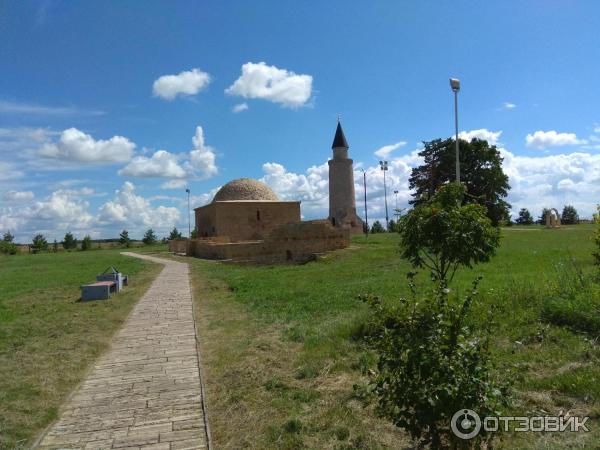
(39, 243)
(569, 216)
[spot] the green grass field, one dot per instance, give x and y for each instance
(47, 338)
(282, 354)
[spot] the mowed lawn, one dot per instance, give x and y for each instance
(286, 366)
(48, 339)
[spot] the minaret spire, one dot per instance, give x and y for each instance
(339, 141)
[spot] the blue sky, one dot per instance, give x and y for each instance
(92, 139)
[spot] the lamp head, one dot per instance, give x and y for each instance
(455, 84)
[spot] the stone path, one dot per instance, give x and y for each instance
(145, 392)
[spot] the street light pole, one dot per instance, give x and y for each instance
(384, 166)
(455, 86)
(396, 209)
(366, 230)
(188, 214)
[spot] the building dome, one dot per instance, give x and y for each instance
(245, 189)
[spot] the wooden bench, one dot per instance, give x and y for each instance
(99, 290)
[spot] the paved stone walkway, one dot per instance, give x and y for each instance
(145, 392)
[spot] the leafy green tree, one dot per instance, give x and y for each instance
(596, 215)
(69, 241)
(569, 215)
(39, 242)
(542, 218)
(480, 171)
(8, 237)
(432, 364)
(124, 238)
(175, 234)
(194, 233)
(525, 217)
(8, 248)
(86, 243)
(392, 226)
(149, 237)
(377, 227)
(445, 233)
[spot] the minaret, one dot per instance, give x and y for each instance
(342, 204)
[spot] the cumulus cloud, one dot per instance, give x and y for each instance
(76, 146)
(386, 150)
(130, 209)
(543, 139)
(63, 210)
(240, 107)
(273, 84)
(198, 163)
(202, 157)
(161, 164)
(483, 133)
(18, 196)
(186, 83)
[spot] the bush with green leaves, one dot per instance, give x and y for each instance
(431, 365)
(69, 241)
(149, 237)
(8, 237)
(8, 248)
(377, 227)
(569, 215)
(175, 234)
(124, 238)
(525, 217)
(86, 243)
(39, 242)
(443, 233)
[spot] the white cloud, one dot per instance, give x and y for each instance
(198, 163)
(543, 139)
(18, 196)
(484, 134)
(553, 181)
(202, 157)
(174, 184)
(186, 83)
(77, 146)
(508, 105)
(161, 164)
(128, 209)
(273, 84)
(63, 210)
(240, 107)
(386, 150)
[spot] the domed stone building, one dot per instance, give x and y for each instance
(244, 209)
(246, 221)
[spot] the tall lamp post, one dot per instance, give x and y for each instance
(455, 86)
(366, 216)
(384, 167)
(189, 225)
(396, 209)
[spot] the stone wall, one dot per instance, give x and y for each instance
(244, 220)
(296, 242)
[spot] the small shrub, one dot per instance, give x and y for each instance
(39, 242)
(8, 248)
(432, 364)
(293, 426)
(86, 243)
(69, 241)
(149, 237)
